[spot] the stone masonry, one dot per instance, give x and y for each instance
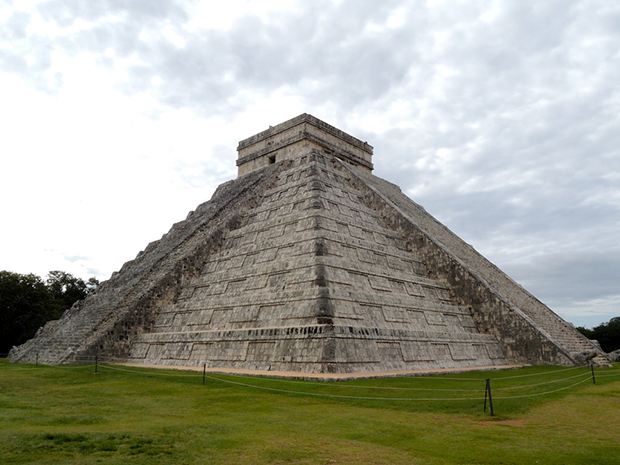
(309, 263)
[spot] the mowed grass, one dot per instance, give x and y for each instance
(69, 415)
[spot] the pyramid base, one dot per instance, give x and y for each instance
(323, 376)
(318, 349)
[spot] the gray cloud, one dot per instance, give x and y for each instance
(506, 120)
(583, 285)
(322, 44)
(25, 55)
(66, 12)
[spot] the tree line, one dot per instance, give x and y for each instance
(607, 334)
(28, 301)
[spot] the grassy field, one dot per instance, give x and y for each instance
(69, 415)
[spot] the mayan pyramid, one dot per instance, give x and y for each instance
(309, 263)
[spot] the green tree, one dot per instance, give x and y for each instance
(607, 334)
(65, 288)
(92, 284)
(587, 332)
(25, 305)
(27, 302)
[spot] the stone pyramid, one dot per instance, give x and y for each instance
(309, 263)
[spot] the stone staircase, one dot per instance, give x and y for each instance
(121, 304)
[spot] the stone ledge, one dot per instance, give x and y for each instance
(305, 118)
(323, 376)
(313, 331)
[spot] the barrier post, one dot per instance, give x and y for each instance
(36, 360)
(488, 391)
(593, 377)
(204, 373)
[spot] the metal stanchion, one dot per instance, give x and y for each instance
(487, 392)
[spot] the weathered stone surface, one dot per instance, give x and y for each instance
(310, 264)
(297, 137)
(614, 356)
(584, 357)
(125, 305)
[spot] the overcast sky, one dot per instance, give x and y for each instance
(501, 118)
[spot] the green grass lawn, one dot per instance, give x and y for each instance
(68, 415)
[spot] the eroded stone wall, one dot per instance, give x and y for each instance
(528, 331)
(315, 281)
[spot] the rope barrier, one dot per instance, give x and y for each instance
(425, 377)
(478, 392)
(501, 378)
(438, 378)
(358, 386)
(355, 386)
(545, 383)
(535, 374)
(398, 398)
(67, 367)
(150, 373)
(340, 396)
(546, 392)
(607, 376)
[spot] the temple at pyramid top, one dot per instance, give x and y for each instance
(298, 136)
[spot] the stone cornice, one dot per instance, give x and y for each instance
(306, 118)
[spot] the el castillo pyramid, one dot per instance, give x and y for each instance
(309, 263)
